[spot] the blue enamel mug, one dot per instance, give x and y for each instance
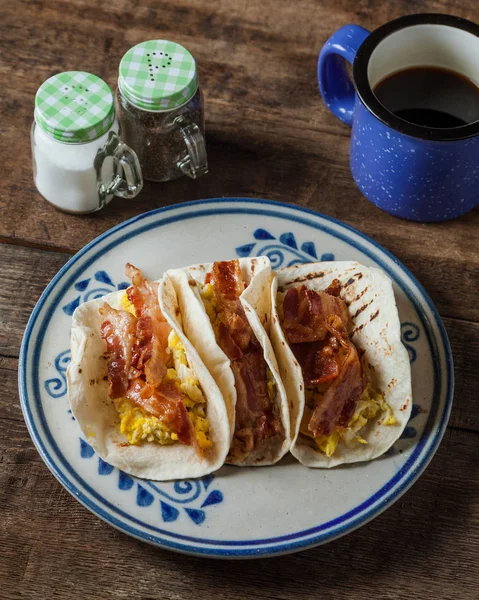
(415, 172)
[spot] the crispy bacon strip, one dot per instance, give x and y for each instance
(306, 313)
(227, 280)
(315, 324)
(235, 333)
(334, 288)
(118, 330)
(320, 362)
(152, 330)
(255, 419)
(340, 399)
(254, 412)
(166, 403)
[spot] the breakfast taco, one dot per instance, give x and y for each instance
(337, 337)
(138, 389)
(226, 309)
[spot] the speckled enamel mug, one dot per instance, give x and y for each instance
(414, 172)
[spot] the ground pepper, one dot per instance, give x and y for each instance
(160, 109)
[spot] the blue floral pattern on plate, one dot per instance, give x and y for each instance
(410, 333)
(187, 491)
(282, 251)
(100, 277)
(57, 386)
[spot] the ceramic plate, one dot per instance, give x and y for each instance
(237, 512)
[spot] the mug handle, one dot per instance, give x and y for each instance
(335, 85)
(195, 163)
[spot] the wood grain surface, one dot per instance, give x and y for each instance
(269, 135)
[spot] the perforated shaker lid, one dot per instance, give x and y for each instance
(74, 107)
(158, 75)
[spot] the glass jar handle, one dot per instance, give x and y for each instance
(195, 163)
(127, 181)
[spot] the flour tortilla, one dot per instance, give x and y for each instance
(256, 300)
(375, 330)
(98, 417)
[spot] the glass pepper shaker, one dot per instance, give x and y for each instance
(79, 160)
(160, 108)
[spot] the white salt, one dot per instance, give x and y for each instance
(64, 173)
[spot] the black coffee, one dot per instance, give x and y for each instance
(430, 96)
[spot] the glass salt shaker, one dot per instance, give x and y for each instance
(79, 160)
(160, 108)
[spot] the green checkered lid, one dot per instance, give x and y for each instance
(158, 75)
(74, 107)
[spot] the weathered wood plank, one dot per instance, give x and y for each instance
(9, 400)
(25, 274)
(464, 339)
(440, 516)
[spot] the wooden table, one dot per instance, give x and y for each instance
(269, 135)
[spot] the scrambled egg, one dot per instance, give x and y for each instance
(207, 293)
(127, 304)
(137, 425)
(369, 406)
